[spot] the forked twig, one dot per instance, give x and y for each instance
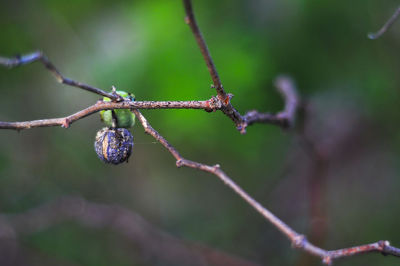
(213, 104)
(386, 26)
(284, 84)
(285, 118)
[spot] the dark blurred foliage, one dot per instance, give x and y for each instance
(335, 177)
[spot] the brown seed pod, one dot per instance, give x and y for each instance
(113, 145)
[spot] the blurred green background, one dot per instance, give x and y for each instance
(350, 86)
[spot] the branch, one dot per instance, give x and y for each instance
(298, 240)
(225, 98)
(386, 26)
(191, 21)
(65, 122)
(285, 118)
(39, 56)
(152, 241)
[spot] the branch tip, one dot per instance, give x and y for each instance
(386, 26)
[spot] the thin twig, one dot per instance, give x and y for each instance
(39, 56)
(215, 169)
(285, 118)
(153, 242)
(386, 26)
(191, 21)
(225, 98)
(298, 240)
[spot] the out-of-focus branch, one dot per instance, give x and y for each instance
(316, 179)
(298, 240)
(285, 118)
(153, 242)
(386, 26)
(39, 56)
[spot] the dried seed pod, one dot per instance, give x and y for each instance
(113, 145)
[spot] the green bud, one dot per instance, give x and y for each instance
(125, 118)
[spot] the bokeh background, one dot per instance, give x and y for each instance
(335, 177)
